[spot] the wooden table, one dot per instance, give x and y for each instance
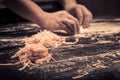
(96, 56)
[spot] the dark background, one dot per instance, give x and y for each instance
(102, 7)
(97, 7)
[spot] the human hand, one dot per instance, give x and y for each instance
(60, 20)
(83, 15)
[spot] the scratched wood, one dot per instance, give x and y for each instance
(96, 56)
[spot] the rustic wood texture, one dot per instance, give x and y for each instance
(96, 56)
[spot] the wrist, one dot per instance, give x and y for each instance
(68, 4)
(68, 7)
(40, 18)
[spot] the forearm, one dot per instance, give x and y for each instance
(68, 3)
(26, 8)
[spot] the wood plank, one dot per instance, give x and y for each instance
(95, 56)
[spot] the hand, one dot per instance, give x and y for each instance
(83, 15)
(60, 20)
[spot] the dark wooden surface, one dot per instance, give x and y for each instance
(96, 56)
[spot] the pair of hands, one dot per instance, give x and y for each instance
(69, 20)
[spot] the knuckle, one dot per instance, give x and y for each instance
(77, 7)
(64, 12)
(75, 22)
(80, 16)
(71, 22)
(82, 6)
(75, 19)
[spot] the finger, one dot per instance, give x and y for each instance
(71, 25)
(79, 16)
(66, 28)
(86, 23)
(75, 24)
(87, 18)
